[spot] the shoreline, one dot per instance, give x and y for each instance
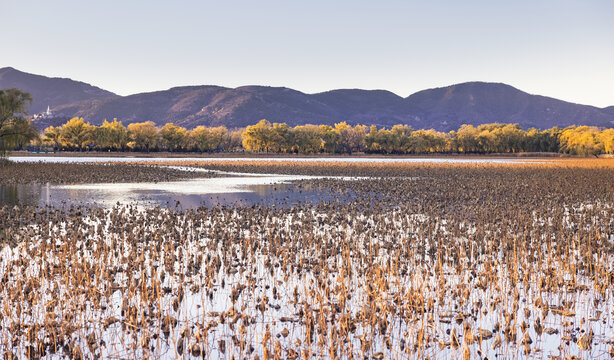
(248, 155)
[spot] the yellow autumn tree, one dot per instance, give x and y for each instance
(307, 139)
(76, 134)
(581, 140)
(258, 137)
(111, 135)
(606, 137)
(143, 136)
(52, 137)
(203, 138)
(350, 139)
(173, 136)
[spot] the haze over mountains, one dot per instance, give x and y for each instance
(443, 109)
(48, 91)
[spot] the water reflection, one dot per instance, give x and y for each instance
(247, 191)
(31, 194)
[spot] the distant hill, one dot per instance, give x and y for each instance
(479, 102)
(212, 105)
(48, 91)
(443, 108)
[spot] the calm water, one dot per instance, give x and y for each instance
(278, 190)
(242, 191)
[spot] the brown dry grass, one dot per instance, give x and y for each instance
(460, 261)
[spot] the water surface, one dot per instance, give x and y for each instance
(210, 192)
(232, 189)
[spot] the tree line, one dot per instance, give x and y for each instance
(78, 135)
(17, 132)
(342, 138)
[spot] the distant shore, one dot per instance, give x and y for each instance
(164, 154)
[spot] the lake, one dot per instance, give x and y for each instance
(276, 190)
(232, 189)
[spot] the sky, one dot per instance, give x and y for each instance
(558, 48)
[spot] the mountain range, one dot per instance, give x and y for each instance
(444, 109)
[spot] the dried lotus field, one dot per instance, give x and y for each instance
(422, 261)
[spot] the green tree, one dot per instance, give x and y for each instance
(15, 127)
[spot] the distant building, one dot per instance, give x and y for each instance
(44, 115)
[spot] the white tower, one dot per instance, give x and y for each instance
(48, 113)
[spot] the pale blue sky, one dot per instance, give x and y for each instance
(562, 48)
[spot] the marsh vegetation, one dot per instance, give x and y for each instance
(423, 260)
(64, 173)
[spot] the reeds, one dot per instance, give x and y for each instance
(425, 261)
(12, 173)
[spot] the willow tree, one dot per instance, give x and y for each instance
(307, 139)
(581, 140)
(52, 137)
(143, 136)
(465, 139)
(173, 137)
(258, 137)
(350, 138)
(330, 139)
(607, 139)
(204, 138)
(77, 134)
(15, 127)
(111, 135)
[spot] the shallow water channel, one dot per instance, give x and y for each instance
(183, 194)
(231, 189)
